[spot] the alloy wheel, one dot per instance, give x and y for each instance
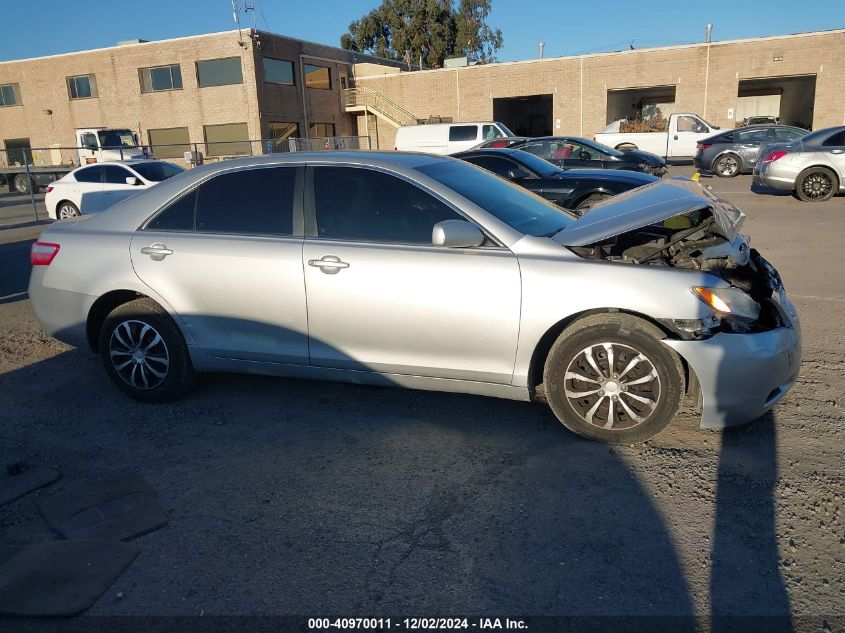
(817, 185)
(727, 166)
(66, 211)
(612, 386)
(139, 355)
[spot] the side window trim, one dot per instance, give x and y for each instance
(310, 209)
(298, 205)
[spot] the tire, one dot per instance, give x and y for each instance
(727, 166)
(816, 184)
(589, 201)
(22, 183)
(626, 147)
(129, 334)
(657, 378)
(66, 209)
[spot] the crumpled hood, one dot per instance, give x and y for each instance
(647, 157)
(649, 205)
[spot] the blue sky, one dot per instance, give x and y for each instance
(44, 27)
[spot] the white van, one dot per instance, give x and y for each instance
(448, 138)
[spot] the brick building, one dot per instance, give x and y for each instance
(214, 88)
(798, 78)
(239, 85)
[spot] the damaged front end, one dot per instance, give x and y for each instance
(679, 224)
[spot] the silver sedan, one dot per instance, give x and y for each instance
(430, 273)
(813, 167)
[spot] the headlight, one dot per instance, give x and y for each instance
(729, 302)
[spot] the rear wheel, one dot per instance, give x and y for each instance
(66, 210)
(816, 185)
(609, 378)
(727, 165)
(144, 352)
(23, 183)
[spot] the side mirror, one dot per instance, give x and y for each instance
(518, 173)
(456, 234)
(132, 180)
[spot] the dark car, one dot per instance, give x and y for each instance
(734, 152)
(575, 189)
(502, 141)
(577, 152)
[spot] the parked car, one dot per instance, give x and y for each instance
(573, 151)
(504, 141)
(758, 120)
(96, 187)
(576, 189)
(734, 152)
(447, 138)
(675, 140)
(400, 269)
(812, 167)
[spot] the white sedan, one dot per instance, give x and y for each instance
(94, 188)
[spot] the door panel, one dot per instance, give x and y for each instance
(420, 310)
(239, 297)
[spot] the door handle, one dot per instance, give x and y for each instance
(329, 264)
(157, 252)
(837, 151)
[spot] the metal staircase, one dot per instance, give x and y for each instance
(366, 100)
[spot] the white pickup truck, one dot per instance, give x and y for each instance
(677, 139)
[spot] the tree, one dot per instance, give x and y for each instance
(434, 29)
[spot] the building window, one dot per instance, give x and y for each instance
(321, 130)
(281, 132)
(10, 95)
(82, 87)
(161, 78)
(229, 139)
(278, 71)
(318, 77)
(219, 72)
(170, 142)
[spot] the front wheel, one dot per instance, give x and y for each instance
(727, 166)
(144, 353)
(816, 185)
(609, 378)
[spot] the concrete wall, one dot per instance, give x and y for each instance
(706, 79)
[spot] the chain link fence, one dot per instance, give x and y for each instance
(26, 173)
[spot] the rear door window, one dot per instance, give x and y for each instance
(463, 132)
(248, 202)
(89, 174)
(177, 216)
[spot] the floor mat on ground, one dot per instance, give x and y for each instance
(59, 578)
(23, 479)
(118, 508)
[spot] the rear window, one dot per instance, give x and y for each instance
(89, 174)
(463, 132)
(520, 209)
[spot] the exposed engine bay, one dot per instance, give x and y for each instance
(695, 240)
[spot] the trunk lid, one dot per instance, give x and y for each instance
(648, 205)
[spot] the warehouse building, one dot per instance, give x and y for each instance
(222, 90)
(797, 78)
(215, 90)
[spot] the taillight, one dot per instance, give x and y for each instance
(774, 155)
(49, 189)
(43, 253)
(703, 146)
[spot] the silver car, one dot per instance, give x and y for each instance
(430, 273)
(813, 167)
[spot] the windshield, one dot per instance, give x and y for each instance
(116, 138)
(156, 172)
(518, 208)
